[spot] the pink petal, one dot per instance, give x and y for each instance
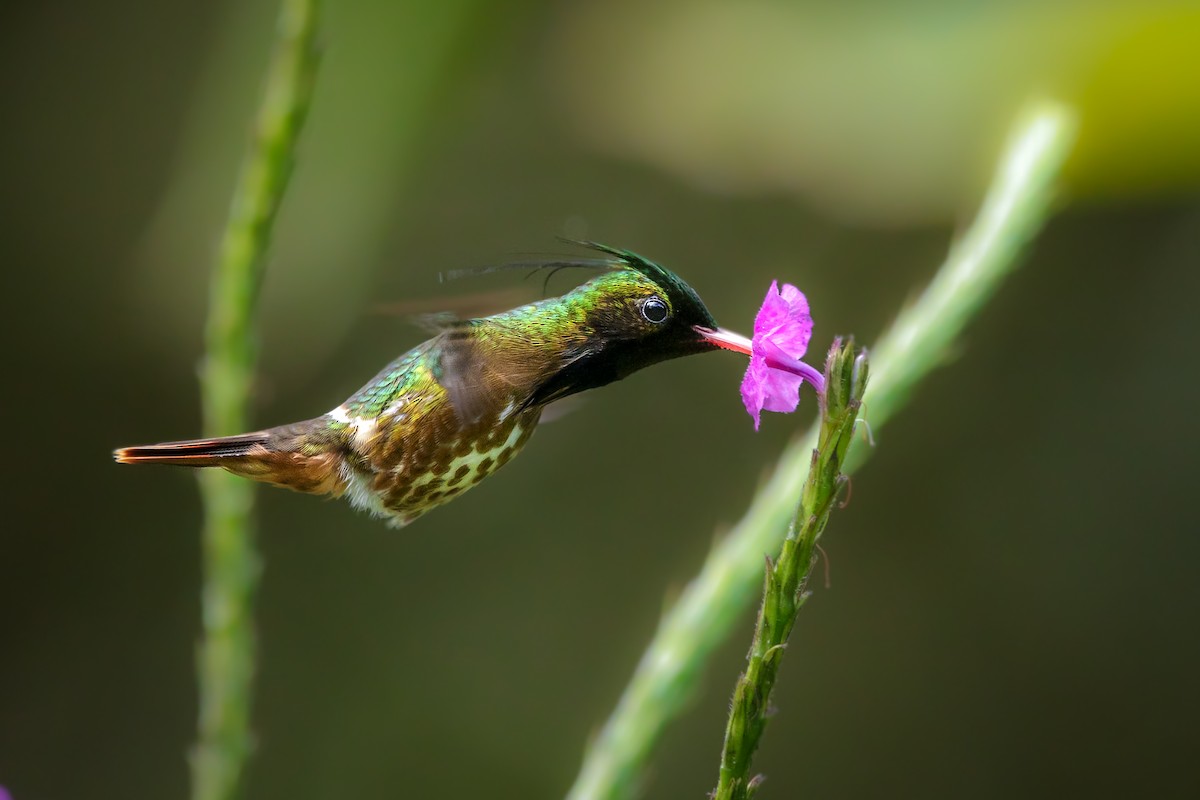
(782, 329)
(784, 320)
(772, 313)
(781, 391)
(752, 389)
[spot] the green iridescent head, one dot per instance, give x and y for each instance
(635, 314)
(684, 306)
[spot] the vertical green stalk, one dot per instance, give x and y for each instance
(231, 567)
(787, 578)
(1017, 205)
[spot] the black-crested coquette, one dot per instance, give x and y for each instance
(457, 407)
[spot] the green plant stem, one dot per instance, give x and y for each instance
(787, 579)
(231, 566)
(1017, 204)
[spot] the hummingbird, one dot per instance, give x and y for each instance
(457, 407)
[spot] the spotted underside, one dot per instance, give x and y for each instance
(400, 472)
(410, 447)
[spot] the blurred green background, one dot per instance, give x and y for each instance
(1013, 609)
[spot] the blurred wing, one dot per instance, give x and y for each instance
(461, 375)
(436, 313)
(483, 377)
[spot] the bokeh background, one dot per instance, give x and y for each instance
(1013, 609)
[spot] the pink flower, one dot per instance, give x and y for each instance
(782, 329)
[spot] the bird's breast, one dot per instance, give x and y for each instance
(418, 462)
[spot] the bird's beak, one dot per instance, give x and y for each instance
(726, 340)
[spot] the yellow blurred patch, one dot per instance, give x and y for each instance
(1139, 106)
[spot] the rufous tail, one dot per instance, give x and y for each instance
(196, 452)
(305, 456)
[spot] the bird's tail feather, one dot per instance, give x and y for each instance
(196, 452)
(305, 456)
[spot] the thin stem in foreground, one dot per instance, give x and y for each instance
(231, 567)
(1017, 205)
(787, 578)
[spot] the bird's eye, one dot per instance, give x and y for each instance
(654, 310)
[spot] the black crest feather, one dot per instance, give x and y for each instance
(682, 295)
